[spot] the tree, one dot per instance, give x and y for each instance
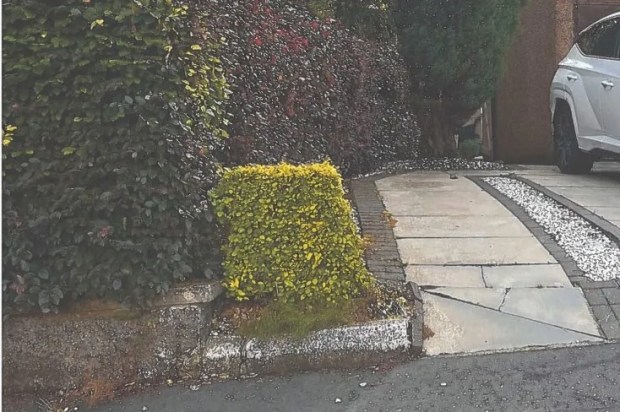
(454, 50)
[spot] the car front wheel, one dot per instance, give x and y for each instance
(568, 157)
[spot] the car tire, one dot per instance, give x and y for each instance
(568, 157)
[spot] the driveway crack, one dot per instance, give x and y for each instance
(504, 300)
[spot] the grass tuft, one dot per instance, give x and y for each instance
(298, 321)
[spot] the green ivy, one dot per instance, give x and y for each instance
(290, 234)
(114, 108)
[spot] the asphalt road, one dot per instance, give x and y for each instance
(574, 379)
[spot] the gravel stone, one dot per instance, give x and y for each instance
(439, 164)
(597, 255)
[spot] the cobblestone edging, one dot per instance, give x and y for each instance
(382, 255)
(602, 296)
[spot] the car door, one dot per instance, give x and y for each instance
(584, 82)
(601, 77)
(610, 90)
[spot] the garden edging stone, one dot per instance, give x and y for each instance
(346, 347)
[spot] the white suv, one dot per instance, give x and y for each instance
(585, 98)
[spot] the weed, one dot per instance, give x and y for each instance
(390, 219)
(98, 390)
(296, 320)
(367, 241)
(427, 332)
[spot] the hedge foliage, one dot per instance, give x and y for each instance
(114, 109)
(368, 18)
(290, 234)
(307, 89)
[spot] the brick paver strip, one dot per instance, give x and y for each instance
(382, 256)
(601, 296)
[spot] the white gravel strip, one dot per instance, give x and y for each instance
(593, 251)
(442, 164)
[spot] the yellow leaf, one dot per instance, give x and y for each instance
(97, 22)
(196, 47)
(69, 150)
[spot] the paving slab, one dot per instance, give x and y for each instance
(410, 203)
(454, 276)
(525, 276)
(610, 213)
(597, 191)
(419, 176)
(487, 297)
(460, 327)
(568, 181)
(459, 226)
(473, 251)
(427, 183)
(537, 170)
(607, 320)
(588, 196)
(612, 295)
(563, 307)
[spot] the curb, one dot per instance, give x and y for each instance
(346, 347)
(417, 321)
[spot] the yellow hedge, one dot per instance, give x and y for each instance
(290, 234)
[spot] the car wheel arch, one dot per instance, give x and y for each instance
(567, 105)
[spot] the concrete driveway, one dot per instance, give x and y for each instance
(489, 281)
(598, 191)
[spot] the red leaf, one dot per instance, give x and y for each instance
(104, 232)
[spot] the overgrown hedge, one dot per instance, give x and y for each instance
(115, 108)
(307, 88)
(290, 234)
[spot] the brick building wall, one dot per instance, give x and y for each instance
(521, 117)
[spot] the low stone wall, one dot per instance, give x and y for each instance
(105, 349)
(88, 355)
